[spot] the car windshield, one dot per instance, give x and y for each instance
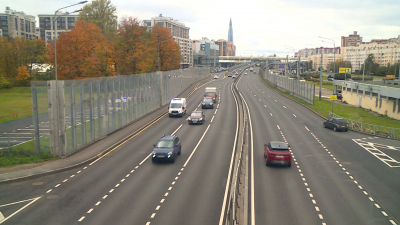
(196, 114)
(175, 105)
(207, 100)
(165, 144)
(209, 94)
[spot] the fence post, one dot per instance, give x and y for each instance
(8, 143)
(72, 115)
(98, 109)
(90, 103)
(82, 114)
(35, 119)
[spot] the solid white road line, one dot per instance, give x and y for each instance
(19, 210)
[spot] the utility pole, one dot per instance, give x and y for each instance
(320, 79)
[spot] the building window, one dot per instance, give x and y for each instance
(161, 23)
(71, 18)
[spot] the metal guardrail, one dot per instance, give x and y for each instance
(388, 132)
(297, 88)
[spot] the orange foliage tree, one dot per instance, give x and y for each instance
(162, 40)
(133, 51)
(22, 75)
(81, 53)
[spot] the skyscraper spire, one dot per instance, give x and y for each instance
(230, 32)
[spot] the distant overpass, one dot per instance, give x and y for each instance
(249, 59)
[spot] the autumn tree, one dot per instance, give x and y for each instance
(167, 48)
(80, 52)
(22, 75)
(133, 51)
(103, 14)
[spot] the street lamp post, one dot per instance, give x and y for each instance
(158, 51)
(334, 59)
(294, 52)
(58, 132)
(55, 34)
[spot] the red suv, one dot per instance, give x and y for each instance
(277, 152)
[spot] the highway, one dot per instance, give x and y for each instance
(333, 179)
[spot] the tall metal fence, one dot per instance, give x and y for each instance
(80, 112)
(297, 88)
(376, 130)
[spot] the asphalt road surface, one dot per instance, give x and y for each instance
(336, 178)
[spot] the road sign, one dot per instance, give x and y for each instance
(344, 70)
(333, 97)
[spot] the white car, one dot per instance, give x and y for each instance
(245, 73)
(215, 77)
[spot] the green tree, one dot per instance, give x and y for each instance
(103, 14)
(370, 65)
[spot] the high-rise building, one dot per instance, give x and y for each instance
(17, 24)
(205, 52)
(351, 40)
(230, 32)
(180, 34)
(65, 23)
(226, 48)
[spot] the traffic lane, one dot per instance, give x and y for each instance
(117, 159)
(186, 130)
(380, 180)
(197, 197)
(353, 202)
(279, 190)
(143, 188)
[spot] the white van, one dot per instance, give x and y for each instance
(177, 107)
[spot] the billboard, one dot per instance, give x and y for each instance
(344, 70)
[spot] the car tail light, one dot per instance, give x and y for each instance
(337, 125)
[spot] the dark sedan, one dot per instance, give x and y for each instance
(337, 124)
(197, 117)
(207, 103)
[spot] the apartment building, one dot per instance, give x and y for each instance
(17, 24)
(386, 52)
(205, 52)
(352, 40)
(180, 34)
(65, 23)
(329, 55)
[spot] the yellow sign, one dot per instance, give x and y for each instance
(344, 70)
(333, 97)
(390, 77)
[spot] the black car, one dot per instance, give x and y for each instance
(338, 93)
(207, 103)
(337, 124)
(197, 117)
(166, 148)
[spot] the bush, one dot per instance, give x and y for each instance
(4, 84)
(341, 76)
(360, 78)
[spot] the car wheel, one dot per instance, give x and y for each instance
(324, 125)
(212, 107)
(173, 159)
(289, 165)
(179, 153)
(268, 164)
(153, 160)
(169, 115)
(334, 129)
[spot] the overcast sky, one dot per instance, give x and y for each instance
(259, 26)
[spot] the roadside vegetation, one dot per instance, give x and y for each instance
(324, 106)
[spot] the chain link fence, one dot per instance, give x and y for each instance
(80, 112)
(297, 88)
(389, 132)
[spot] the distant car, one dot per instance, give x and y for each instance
(330, 79)
(276, 152)
(207, 103)
(245, 73)
(338, 93)
(349, 79)
(229, 75)
(337, 124)
(254, 72)
(234, 76)
(197, 117)
(216, 77)
(166, 148)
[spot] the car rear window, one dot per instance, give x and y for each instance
(209, 94)
(341, 121)
(279, 146)
(196, 114)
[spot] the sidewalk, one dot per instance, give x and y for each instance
(91, 152)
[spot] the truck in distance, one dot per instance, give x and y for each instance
(211, 92)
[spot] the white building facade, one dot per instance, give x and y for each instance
(386, 52)
(180, 34)
(16, 24)
(65, 23)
